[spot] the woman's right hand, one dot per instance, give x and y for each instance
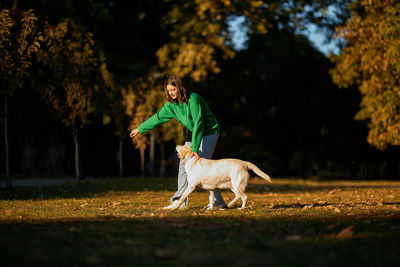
(134, 132)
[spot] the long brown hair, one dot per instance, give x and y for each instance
(175, 80)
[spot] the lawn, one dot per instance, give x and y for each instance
(118, 222)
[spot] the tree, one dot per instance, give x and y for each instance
(19, 42)
(71, 67)
(137, 112)
(370, 61)
(112, 101)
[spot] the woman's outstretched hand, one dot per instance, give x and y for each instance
(134, 132)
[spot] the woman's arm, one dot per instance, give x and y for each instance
(162, 116)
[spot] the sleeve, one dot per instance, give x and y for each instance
(198, 125)
(162, 116)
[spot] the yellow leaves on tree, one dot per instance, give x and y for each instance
(19, 41)
(199, 35)
(71, 63)
(371, 62)
(191, 59)
(113, 101)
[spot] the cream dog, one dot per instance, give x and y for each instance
(212, 174)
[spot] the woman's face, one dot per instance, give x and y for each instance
(172, 91)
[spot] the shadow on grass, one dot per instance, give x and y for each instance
(201, 241)
(92, 188)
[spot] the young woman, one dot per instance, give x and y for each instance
(200, 124)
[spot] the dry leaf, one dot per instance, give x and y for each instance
(163, 254)
(346, 233)
(293, 237)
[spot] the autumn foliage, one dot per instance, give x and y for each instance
(370, 61)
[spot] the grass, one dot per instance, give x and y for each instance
(118, 222)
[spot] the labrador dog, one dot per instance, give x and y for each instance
(212, 174)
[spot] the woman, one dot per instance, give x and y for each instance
(201, 127)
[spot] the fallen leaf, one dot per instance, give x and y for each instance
(162, 254)
(346, 233)
(293, 237)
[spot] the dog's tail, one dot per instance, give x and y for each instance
(257, 171)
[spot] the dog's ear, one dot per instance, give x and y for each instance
(180, 156)
(179, 150)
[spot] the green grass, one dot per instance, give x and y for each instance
(118, 222)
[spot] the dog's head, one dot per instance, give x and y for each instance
(183, 151)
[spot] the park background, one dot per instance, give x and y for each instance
(90, 71)
(77, 76)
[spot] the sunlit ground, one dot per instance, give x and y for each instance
(119, 223)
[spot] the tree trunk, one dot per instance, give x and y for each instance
(142, 161)
(152, 155)
(9, 184)
(15, 3)
(76, 143)
(121, 166)
(163, 161)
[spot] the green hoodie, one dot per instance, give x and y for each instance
(193, 114)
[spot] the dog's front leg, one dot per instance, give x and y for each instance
(187, 192)
(211, 198)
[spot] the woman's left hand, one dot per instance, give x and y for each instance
(194, 154)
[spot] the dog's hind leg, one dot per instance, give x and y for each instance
(237, 196)
(244, 199)
(187, 192)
